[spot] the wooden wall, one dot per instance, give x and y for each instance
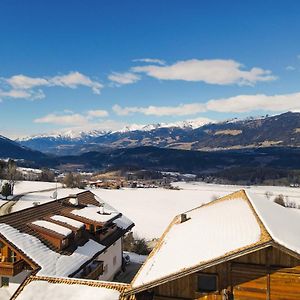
(266, 274)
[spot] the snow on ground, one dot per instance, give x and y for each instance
(57, 291)
(42, 197)
(153, 209)
(22, 187)
(136, 258)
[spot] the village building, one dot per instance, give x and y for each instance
(78, 236)
(240, 247)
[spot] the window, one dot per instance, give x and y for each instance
(92, 228)
(114, 260)
(4, 281)
(12, 257)
(207, 283)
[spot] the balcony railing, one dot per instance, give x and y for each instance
(11, 268)
(94, 270)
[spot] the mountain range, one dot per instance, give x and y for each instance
(269, 131)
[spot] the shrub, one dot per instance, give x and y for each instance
(6, 190)
(280, 200)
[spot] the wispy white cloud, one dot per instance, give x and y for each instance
(69, 118)
(75, 79)
(290, 68)
(23, 86)
(150, 61)
(214, 71)
(248, 103)
(22, 94)
(123, 78)
(97, 113)
(236, 104)
(180, 110)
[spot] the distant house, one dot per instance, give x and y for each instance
(239, 247)
(79, 236)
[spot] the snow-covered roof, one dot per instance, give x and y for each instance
(57, 291)
(53, 227)
(66, 220)
(51, 263)
(222, 228)
(282, 223)
(57, 288)
(95, 213)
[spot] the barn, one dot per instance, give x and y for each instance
(240, 247)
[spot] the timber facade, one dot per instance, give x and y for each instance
(268, 274)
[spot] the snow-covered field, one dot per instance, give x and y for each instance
(153, 209)
(42, 197)
(23, 187)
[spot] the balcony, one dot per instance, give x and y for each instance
(93, 270)
(11, 268)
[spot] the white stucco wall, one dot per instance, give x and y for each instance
(110, 269)
(14, 282)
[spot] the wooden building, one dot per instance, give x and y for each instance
(240, 247)
(79, 236)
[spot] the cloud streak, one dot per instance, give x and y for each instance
(150, 61)
(236, 104)
(68, 118)
(214, 71)
(23, 86)
(123, 78)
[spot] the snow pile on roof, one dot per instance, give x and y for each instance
(282, 223)
(54, 227)
(51, 263)
(210, 232)
(68, 221)
(58, 291)
(123, 222)
(94, 213)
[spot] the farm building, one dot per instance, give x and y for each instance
(79, 236)
(240, 247)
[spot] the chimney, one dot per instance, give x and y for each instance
(73, 200)
(183, 218)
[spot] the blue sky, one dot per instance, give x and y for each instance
(104, 64)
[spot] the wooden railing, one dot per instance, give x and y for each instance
(96, 269)
(11, 269)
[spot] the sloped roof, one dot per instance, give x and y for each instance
(17, 230)
(57, 288)
(221, 230)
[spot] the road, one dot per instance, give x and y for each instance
(7, 207)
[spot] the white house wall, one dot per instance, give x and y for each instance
(111, 268)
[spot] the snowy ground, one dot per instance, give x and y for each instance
(42, 197)
(153, 209)
(23, 187)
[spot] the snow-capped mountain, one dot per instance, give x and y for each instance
(201, 134)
